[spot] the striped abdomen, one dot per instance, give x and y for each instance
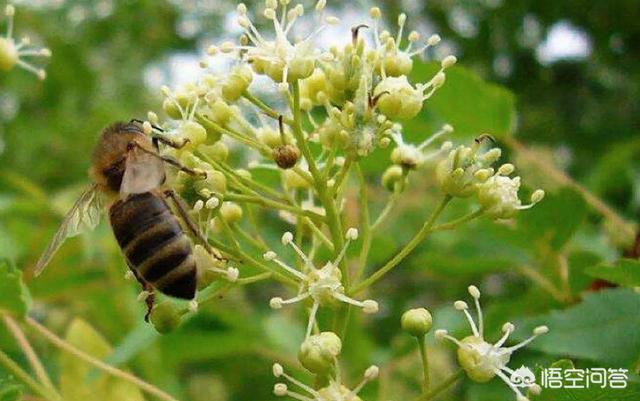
(154, 244)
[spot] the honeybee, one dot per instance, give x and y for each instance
(128, 177)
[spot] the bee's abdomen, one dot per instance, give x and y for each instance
(154, 244)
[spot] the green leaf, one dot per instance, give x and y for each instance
(472, 105)
(625, 272)
(554, 220)
(14, 296)
(75, 384)
(603, 328)
(10, 390)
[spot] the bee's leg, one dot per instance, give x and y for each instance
(151, 295)
(184, 215)
(150, 300)
(168, 160)
(156, 139)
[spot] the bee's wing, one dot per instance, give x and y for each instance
(83, 216)
(142, 173)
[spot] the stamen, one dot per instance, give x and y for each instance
(507, 329)
(515, 389)
(312, 317)
(446, 129)
(475, 294)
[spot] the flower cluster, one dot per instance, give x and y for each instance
(481, 360)
(320, 114)
(13, 53)
(323, 285)
(467, 171)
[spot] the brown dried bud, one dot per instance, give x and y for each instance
(286, 156)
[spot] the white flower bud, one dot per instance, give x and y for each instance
(276, 303)
(369, 306)
(506, 169)
(280, 389)
(269, 13)
(375, 12)
(198, 205)
(433, 40)
(414, 36)
(440, 334)
(232, 274)
(352, 234)
(372, 372)
(540, 330)
(212, 203)
(460, 305)
(474, 291)
(269, 255)
(537, 196)
(332, 20)
(278, 370)
(287, 238)
(449, 61)
(508, 327)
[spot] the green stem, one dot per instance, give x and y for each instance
(254, 279)
(428, 396)
(385, 212)
(365, 223)
(113, 371)
(265, 108)
(332, 216)
(25, 378)
(405, 251)
(454, 223)
(425, 363)
(272, 204)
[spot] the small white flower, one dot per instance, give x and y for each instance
(12, 53)
(499, 194)
(334, 391)
(481, 360)
(281, 58)
(323, 285)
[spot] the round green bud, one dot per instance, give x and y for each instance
(392, 177)
(194, 132)
(215, 182)
(318, 352)
(231, 212)
(300, 67)
(166, 317)
(221, 112)
(269, 136)
(172, 106)
(416, 322)
(237, 83)
(396, 64)
(294, 181)
(8, 54)
(477, 362)
(218, 151)
(397, 99)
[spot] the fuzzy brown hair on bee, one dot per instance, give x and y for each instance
(128, 170)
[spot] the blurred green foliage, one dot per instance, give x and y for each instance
(579, 115)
